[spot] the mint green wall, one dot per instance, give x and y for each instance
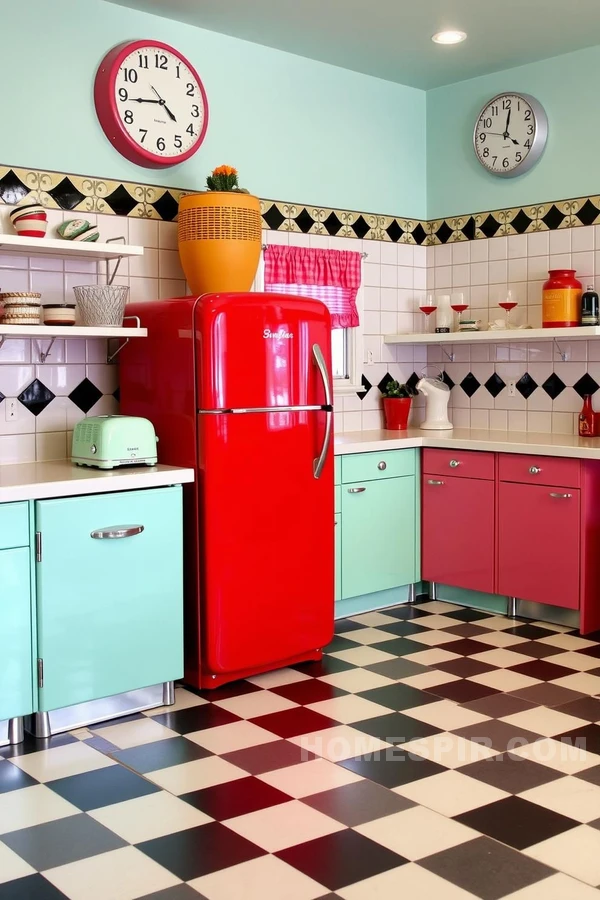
(296, 129)
(567, 86)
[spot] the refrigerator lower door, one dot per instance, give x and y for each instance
(267, 544)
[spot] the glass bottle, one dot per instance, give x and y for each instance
(586, 417)
(589, 306)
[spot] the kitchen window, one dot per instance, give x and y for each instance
(334, 277)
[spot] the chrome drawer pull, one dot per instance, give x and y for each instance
(454, 463)
(560, 496)
(382, 466)
(431, 481)
(117, 531)
(356, 490)
(534, 470)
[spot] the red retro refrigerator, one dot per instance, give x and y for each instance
(238, 387)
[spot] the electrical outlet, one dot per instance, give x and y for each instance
(369, 357)
(10, 409)
(512, 388)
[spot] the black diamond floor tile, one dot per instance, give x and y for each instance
(398, 696)
(33, 887)
(12, 778)
(235, 798)
(354, 804)
(160, 754)
(517, 822)
(196, 718)
(393, 771)
(103, 787)
(396, 728)
(64, 841)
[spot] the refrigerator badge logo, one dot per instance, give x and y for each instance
(282, 334)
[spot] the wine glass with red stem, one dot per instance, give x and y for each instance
(428, 305)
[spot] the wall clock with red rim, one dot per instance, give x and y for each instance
(151, 103)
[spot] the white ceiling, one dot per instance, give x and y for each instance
(391, 38)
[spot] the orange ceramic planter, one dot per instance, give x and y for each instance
(219, 236)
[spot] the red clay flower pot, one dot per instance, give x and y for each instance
(397, 411)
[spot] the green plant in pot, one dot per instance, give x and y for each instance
(397, 400)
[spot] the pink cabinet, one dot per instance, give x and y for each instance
(458, 531)
(539, 543)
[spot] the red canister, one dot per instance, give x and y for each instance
(561, 299)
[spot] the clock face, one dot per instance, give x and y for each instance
(510, 134)
(151, 103)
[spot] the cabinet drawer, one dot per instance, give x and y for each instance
(461, 463)
(14, 525)
(372, 466)
(550, 470)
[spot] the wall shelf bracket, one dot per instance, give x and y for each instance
(111, 356)
(564, 354)
(44, 354)
(449, 356)
(110, 276)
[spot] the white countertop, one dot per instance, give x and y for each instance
(470, 439)
(39, 481)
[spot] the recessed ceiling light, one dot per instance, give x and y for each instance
(449, 37)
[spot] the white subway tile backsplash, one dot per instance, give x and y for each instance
(517, 246)
(405, 277)
(389, 253)
(583, 263)
(406, 254)
(51, 445)
(15, 280)
(461, 253)
(498, 271)
(479, 272)
(389, 277)
(538, 243)
(517, 269)
(442, 255)
(498, 248)
(560, 241)
(443, 277)
(479, 251)
(582, 238)
(17, 448)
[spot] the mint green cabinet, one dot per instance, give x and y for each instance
(109, 609)
(16, 674)
(338, 557)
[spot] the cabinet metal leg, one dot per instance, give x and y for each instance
(41, 725)
(512, 608)
(433, 590)
(16, 732)
(412, 593)
(168, 693)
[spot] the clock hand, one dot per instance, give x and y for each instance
(142, 100)
(503, 135)
(507, 123)
(163, 104)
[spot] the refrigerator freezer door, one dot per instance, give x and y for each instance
(268, 539)
(256, 350)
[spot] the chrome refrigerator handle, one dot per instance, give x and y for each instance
(322, 367)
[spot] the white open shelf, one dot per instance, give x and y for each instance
(512, 336)
(32, 246)
(69, 331)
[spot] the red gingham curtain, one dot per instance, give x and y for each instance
(332, 276)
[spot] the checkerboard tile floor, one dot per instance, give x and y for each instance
(435, 751)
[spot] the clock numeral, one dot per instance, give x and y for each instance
(190, 89)
(160, 143)
(527, 115)
(486, 152)
(195, 111)
(506, 103)
(530, 129)
(527, 144)
(487, 123)
(494, 110)
(518, 157)
(123, 95)
(505, 163)
(190, 130)
(178, 142)
(494, 160)
(160, 61)
(142, 61)
(128, 117)
(177, 69)
(143, 132)
(130, 75)
(482, 136)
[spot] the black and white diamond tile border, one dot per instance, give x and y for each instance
(59, 190)
(36, 397)
(465, 766)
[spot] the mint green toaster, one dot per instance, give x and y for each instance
(106, 442)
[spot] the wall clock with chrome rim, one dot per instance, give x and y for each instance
(151, 103)
(510, 134)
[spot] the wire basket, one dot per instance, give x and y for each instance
(101, 304)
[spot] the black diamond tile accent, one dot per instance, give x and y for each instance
(494, 385)
(443, 233)
(468, 229)
(85, 395)
(521, 222)
(384, 382)
(2, 397)
(361, 227)
(121, 202)
(166, 206)
(36, 397)
(273, 217)
(588, 213)
(470, 384)
(412, 382)
(526, 385)
(447, 380)
(490, 226)
(12, 188)
(117, 394)
(553, 218)
(554, 386)
(419, 234)
(332, 224)
(367, 387)
(67, 195)
(304, 221)
(394, 231)
(585, 385)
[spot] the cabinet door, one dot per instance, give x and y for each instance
(16, 678)
(378, 535)
(538, 544)
(338, 557)
(458, 532)
(110, 610)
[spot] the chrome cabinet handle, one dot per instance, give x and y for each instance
(117, 531)
(534, 470)
(319, 462)
(454, 463)
(560, 496)
(382, 466)
(356, 490)
(431, 481)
